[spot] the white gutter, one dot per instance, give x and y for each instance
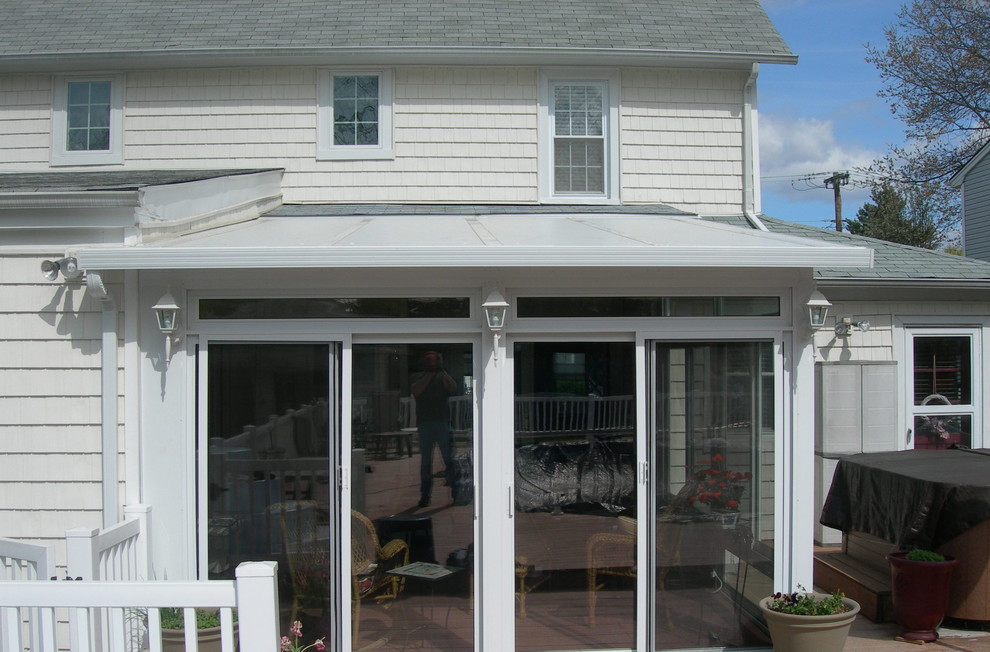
(150, 59)
(108, 396)
(69, 199)
(303, 256)
(916, 284)
(751, 151)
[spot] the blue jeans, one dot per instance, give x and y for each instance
(433, 434)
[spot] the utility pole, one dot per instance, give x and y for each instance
(835, 182)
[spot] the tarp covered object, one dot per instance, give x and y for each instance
(566, 475)
(915, 499)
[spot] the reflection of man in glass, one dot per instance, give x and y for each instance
(431, 390)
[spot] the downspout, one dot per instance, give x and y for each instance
(751, 151)
(108, 396)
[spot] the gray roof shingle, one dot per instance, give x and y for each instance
(65, 27)
(112, 180)
(891, 261)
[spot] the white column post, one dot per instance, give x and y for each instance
(257, 605)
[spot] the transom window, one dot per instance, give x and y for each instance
(87, 123)
(355, 115)
(336, 308)
(742, 306)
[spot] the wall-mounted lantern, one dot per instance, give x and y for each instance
(167, 314)
(495, 308)
(818, 307)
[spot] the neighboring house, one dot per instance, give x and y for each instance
(561, 202)
(974, 181)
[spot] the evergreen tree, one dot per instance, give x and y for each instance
(905, 216)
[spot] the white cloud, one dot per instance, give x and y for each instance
(794, 148)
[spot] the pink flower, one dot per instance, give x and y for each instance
(319, 645)
(286, 644)
(296, 629)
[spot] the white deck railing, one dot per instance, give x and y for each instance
(21, 561)
(28, 605)
(118, 553)
(25, 561)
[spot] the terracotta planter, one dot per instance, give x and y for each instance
(920, 590)
(791, 633)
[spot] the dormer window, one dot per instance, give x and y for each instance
(355, 115)
(579, 137)
(87, 123)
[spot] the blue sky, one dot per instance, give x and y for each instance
(823, 115)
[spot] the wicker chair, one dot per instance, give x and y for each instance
(615, 554)
(608, 554)
(308, 555)
(370, 563)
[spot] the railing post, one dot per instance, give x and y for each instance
(143, 514)
(79, 560)
(80, 563)
(257, 605)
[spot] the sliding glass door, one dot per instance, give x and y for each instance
(411, 515)
(623, 533)
(575, 493)
(272, 427)
(711, 521)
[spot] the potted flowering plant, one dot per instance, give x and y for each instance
(809, 622)
(294, 644)
(719, 488)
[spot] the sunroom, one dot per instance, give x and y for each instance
(474, 427)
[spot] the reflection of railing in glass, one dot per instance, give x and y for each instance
(574, 413)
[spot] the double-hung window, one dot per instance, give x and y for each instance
(579, 137)
(355, 115)
(87, 123)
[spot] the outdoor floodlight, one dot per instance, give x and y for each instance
(68, 266)
(844, 326)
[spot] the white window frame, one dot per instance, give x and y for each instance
(325, 149)
(610, 82)
(60, 154)
(974, 408)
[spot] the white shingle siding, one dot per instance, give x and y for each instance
(682, 139)
(460, 134)
(25, 120)
(49, 404)
(877, 344)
